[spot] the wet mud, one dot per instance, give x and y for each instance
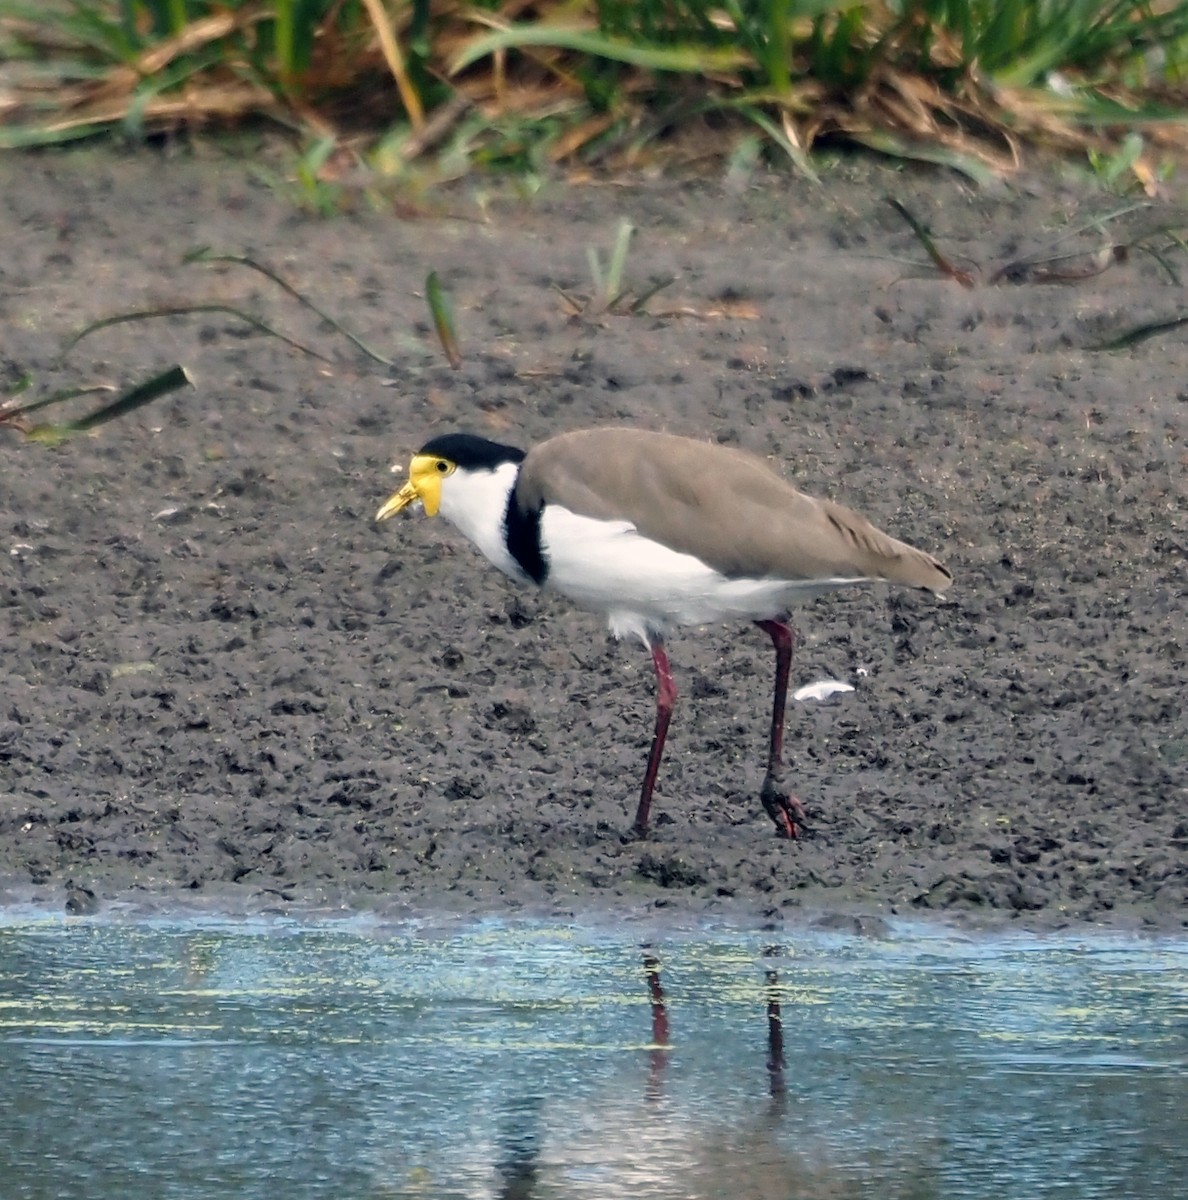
(222, 680)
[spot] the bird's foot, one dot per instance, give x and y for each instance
(783, 808)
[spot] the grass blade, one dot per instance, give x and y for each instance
(796, 153)
(13, 413)
(443, 319)
(895, 146)
(203, 254)
(594, 262)
(657, 285)
(1140, 333)
(22, 385)
(618, 262)
(182, 310)
(941, 263)
(683, 59)
(152, 389)
(394, 57)
(1080, 267)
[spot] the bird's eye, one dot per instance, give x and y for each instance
(442, 466)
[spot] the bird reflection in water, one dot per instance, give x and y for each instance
(519, 1166)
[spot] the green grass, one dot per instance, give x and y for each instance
(431, 85)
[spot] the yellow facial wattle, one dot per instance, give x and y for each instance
(425, 473)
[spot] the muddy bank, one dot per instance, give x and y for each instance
(219, 676)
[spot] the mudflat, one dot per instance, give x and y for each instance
(222, 681)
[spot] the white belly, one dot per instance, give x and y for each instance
(645, 588)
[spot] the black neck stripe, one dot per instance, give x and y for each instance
(521, 531)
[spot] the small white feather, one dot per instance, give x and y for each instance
(821, 690)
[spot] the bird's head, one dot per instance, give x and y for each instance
(425, 474)
(440, 458)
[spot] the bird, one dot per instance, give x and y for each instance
(658, 531)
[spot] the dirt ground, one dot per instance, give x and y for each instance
(222, 681)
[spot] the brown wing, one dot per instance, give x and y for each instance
(722, 505)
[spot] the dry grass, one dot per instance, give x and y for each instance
(971, 83)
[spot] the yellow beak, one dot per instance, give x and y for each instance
(424, 484)
(402, 499)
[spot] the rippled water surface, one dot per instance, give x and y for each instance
(200, 1058)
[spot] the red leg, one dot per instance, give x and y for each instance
(784, 809)
(775, 1036)
(666, 695)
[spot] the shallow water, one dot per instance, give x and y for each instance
(211, 1058)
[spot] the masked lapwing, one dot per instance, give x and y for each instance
(657, 531)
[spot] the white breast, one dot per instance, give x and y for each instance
(476, 501)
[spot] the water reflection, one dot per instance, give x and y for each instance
(200, 1060)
